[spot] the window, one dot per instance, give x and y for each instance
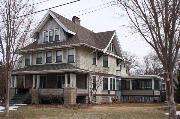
(105, 83)
(105, 60)
(56, 31)
(59, 56)
(114, 86)
(94, 82)
(39, 58)
(27, 60)
(125, 84)
(111, 83)
(94, 58)
(81, 81)
(49, 57)
(51, 35)
(156, 84)
(45, 36)
(142, 84)
(71, 53)
(118, 84)
(120, 67)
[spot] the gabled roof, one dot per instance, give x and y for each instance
(80, 35)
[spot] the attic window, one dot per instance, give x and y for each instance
(45, 36)
(51, 35)
(56, 31)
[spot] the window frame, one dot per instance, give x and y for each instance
(39, 57)
(107, 65)
(71, 55)
(44, 36)
(52, 35)
(58, 31)
(59, 56)
(105, 87)
(29, 58)
(49, 57)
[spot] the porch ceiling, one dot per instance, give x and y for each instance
(48, 68)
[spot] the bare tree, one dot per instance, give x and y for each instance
(153, 65)
(14, 29)
(132, 63)
(157, 22)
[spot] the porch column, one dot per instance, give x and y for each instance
(108, 83)
(15, 81)
(130, 84)
(152, 84)
(66, 78)
(34, 78)
(73, 80)
(38, 81)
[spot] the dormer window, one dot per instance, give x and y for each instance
(51, 36)
(49, 57)
(39, 58)
(45, 36)
(56, 31)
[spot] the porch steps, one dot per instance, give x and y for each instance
(19, 99)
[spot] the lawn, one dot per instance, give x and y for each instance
(108, 111)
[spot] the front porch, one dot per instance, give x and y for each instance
(51, 85)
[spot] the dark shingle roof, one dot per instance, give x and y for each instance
(47, 67)
(83, 35)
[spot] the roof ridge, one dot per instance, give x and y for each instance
(71, 21)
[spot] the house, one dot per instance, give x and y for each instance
(68, 63)
(143, 88)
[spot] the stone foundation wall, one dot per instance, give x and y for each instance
(70, 96)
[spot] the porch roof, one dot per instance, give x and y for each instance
(48, 68)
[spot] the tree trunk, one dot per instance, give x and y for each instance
(170, 93)
(8, 77)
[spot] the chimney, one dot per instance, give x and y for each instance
(76, 20)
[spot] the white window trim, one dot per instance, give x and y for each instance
(56, 55)
(59, 33)
(44, 35)
(51, 56)
(74, 54)
(49, 35)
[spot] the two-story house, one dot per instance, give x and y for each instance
(65, 55)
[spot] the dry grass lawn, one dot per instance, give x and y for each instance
(108, 111)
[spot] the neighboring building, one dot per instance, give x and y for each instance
(143, 88)
(67, 59)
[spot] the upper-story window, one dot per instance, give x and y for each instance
(71, 55)
(46, 36)
(59, 56)
(105, 60)
(51, 35)
(27, 60)
(56, 31)
(39, 58)
(49, 57)
(94, 58)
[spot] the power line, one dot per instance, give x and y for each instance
(49, 8)
(95, 10)
(39, 2)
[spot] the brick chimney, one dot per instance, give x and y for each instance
(76, 20)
